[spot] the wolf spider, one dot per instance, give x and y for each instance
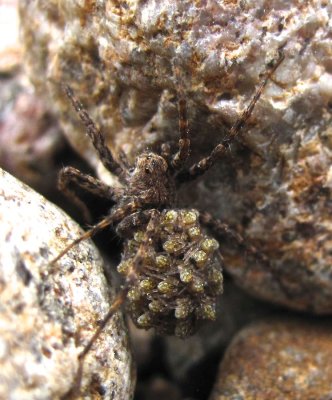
(172, 268)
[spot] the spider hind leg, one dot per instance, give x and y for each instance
(225, 232)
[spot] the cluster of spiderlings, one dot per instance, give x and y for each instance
(179, 278)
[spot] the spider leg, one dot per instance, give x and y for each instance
(165, 152)
(131, 278)
(116, 304)
(119, 300)
(74, 391)
(71, 178)
(133, 222)
(207, 162)
(181, 156)
(86, 235)
(117, 215)
(97, 138)
(124, 160)
(222, 230)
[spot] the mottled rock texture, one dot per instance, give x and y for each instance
(128, 60)
(278, 359)
(48, 313)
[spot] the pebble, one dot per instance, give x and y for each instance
(279, 359)
(47, 312)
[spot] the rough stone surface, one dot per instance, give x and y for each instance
(48, 313)
(275, 187)
(278, 359)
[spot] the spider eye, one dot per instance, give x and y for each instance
(147, 171)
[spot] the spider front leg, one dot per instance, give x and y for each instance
(97, 138)
(70, 179)
(183, 153)
(218, 152)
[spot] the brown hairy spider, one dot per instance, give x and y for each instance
(172, 268)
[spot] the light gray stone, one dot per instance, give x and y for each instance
(49, 312)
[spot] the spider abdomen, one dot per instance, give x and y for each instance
(179, 276)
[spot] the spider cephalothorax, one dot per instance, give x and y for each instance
(172, 267)
(151, 178)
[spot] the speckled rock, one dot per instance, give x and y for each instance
(275, 185)
(280, 359)
(48, 313)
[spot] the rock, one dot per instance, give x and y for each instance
(185, 358)
(49, 312)
(30, 140)
(127, 61)
(278, 359)
(10, 49)
(158, 389)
